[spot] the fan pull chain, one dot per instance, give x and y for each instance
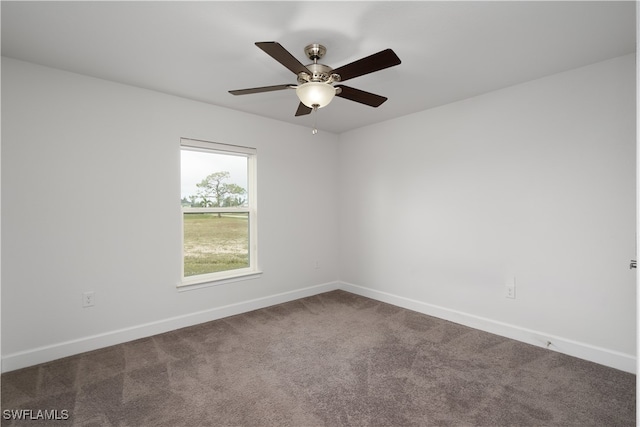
(314, 131)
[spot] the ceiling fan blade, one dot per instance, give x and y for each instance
(376, 62)
(282, 55)
(360, 96)
(259, 89)
(303, 110)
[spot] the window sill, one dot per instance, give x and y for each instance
(190, 284)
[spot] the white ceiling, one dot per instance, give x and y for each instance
(450, 50)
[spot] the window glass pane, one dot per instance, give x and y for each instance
(210, 179)
(215, 242)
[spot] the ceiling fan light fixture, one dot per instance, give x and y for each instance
(315, 94)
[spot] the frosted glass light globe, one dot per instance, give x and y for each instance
(315, 94)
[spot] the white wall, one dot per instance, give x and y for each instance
(537, 181)
(90, 191)
(433, 211)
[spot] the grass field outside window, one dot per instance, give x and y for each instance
(215, 242)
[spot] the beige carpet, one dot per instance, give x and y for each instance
(330, 360)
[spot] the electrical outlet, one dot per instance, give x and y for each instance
(511, 292)
(88, 299)
(511, 289)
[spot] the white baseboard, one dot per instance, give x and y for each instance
(48, 353)
(603, 356)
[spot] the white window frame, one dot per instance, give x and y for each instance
(227, 276)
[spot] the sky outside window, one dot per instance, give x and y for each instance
(197, 165)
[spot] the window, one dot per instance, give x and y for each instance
(218, 198)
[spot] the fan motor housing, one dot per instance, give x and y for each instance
(320, 73)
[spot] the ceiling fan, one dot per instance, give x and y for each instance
(315, 87)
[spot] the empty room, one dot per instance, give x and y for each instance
(318, 213)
